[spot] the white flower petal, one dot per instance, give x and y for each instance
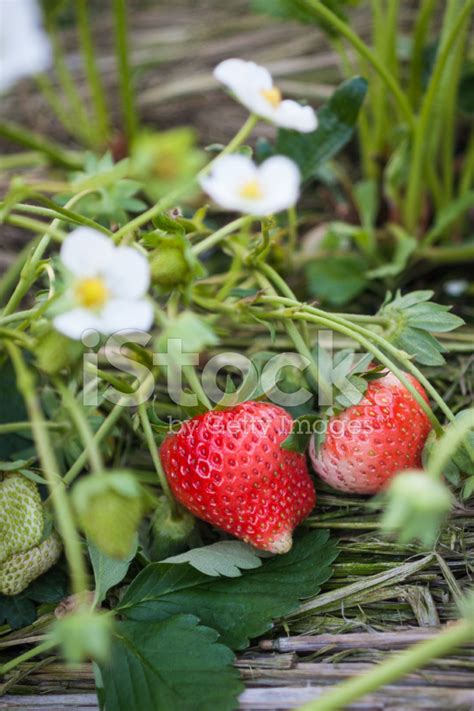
(228, 175)
(73, 323)
(237, 73)
(280, 180)
(127, 273)
(86, 252)
(290, 114)
(24, 45)
(126, 315)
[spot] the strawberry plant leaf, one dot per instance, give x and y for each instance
(226, 558)
(108, 571)
(336, 123)
(337, 279)
(239, 608)
(168, 665)
(415, 318)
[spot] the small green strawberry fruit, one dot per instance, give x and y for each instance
(18, 571)
(21, 515)
(169, 267)
(415, 506)
(169, 532)
(54, 352)
(84, 635)
(109, 508)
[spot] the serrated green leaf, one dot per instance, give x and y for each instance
(12, 409)
(337, 279)
(432, 317)
(226, 558)
(108, 571)
(239, 608)
(169, 665)
(336, 123)
(414, 297)
(194, 333)
(421, 345)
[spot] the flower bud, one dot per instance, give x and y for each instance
(109, 508)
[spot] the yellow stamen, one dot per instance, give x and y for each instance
(251, 190)
(273, 96)
(91, 292)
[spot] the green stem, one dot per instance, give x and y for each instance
(219, 235)
(104, 430)
(83, 428)
(69, 87)
(195, 384)
(92, 72)
(26, 656)
(64, 517)
(448, 255)
(419, 41)
(447, 445)
(28, 271)
(170, 199)
(467, 174)
(413, 202)
(8, 427)
(124, 71)
(353, 333)
(399, 355)
(56, 211)
(320, 10)
(394, 668)
(152, 446)
(56, 153)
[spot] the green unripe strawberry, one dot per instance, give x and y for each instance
(21, 515)
(169, 267)
(109, 508)
(169, 532)
(54, 352)
(18, 571)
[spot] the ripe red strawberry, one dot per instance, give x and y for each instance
(228, 468)
(368, 443)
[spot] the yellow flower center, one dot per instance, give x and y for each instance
(273, 96)
(91, 292)
(251, 190)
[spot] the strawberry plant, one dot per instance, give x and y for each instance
(195, 453)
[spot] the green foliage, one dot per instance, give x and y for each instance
(415, 319)
(292, 10)
(12, 409)
(21, 610)
(238, 608)
(166, 161)
(337, 279)
(167, 665)
(114, 198)
(194, 333)
(224, 558)
(108, 572)
(336, 123)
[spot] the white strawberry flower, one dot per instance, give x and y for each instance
(24, 45)
(107, 286)
(237, 183)
(253, 86)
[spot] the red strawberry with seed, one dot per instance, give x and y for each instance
(367, 444)
(228, 468)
